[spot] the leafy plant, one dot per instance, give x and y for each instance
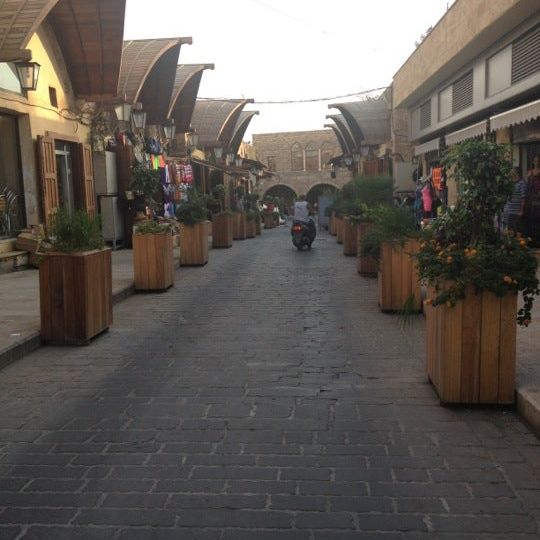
(152, 227)
(75, 232)
(192, 209)
(390, 224)
(146, 182)
(219, 194)
(463, 248)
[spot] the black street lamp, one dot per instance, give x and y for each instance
(28, 74)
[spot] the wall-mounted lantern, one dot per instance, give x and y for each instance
(28, 74)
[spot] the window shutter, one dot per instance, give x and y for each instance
(462, 93)
(526, 55)
(425, 115)
(48, 179)
(87, 179)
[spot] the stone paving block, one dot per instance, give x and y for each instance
(158, 533)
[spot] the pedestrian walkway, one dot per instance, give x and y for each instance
(263, 397)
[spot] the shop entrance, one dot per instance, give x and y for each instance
(64, 170)
(12, 215)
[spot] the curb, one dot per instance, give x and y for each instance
(528, 407)
(30, 343)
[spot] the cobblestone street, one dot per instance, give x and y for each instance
(263, 397)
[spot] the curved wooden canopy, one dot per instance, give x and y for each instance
(147, 74)
(343, 128)
(215, 120)
(185, 89)
(342, 144)
(368, 121)
(19, 19)
(91, 36)
(240, 129)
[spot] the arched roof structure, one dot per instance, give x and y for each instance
(368, 120)
(184, 95)
(240, 129)
(343, 128)
(215, 120)
(147, 74)
(19, 21)
(339, 137)
(91, 34)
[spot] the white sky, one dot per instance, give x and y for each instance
(289, 49)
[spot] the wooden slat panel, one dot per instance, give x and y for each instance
(349, 238)
(87, 179)
(385, 278)
(470, 347)
(193, 245)
(451, 344)
(507, 346)
(489, 348)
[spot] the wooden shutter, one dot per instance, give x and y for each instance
(87, 190)
(48, 178)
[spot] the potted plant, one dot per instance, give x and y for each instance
(75, 280)
(145, 185)
(268, 213)
(392, 241)
(191, 212)
(239, 217)
(153, 256)
(222, 220)
(474, 274)
(252, 212)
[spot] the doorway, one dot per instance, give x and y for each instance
(64, 170)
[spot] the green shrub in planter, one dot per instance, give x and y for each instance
(75, 232)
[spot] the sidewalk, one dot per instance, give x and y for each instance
(19, 328)
(19, 305)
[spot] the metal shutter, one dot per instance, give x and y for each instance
(526, 55)
(425, 115)
(462, 93)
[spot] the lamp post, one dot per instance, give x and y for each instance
(218, 152)
(139, 118)
(28, 74)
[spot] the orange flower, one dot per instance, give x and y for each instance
(507, 279)
(526, 322)
(523, 242)
(428, 302)
(449, 304)
(449, 259)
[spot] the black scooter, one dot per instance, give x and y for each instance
(303, 234)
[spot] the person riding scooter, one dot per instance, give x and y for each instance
(302, 212)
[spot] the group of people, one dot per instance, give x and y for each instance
(522, 211)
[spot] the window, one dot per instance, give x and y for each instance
(462, 93)
(297, 158)
(271, 163)
(312, 157)
(52, 96)
(326, 155)
(445, 103)
(8, 78)
(499, 71)
(425, 115)
(526, 55)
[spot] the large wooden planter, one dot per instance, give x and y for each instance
(222, 230)
(268, 220)
(251, 231)
(339, 229)
(366, 266)
(153, 265)
(471, 348)
(75, 296)
(332, 224)
(194, 244)
(398, 277)
(349, 237)
(239, 226)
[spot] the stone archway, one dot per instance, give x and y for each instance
(283, 191)
(320, 189)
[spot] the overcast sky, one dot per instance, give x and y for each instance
(273, 50)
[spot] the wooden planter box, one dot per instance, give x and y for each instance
(239, 226)
(339, 229)
(258, 228)
(471, 349)
(251, 231)
(366, 266)
(222, 230)
(349, 237)
(75, 296)
(268, 220)
(194, 244)
(398, 277)
(332, 224)
(153, 264)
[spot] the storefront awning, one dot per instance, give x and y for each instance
(527, 112)
(429, 146)
(343, 128)
(476, 130)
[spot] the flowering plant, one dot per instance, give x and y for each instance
(464, 248)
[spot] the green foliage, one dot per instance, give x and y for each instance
(250, 201)
(251, 215)
(462, 248)
(219, 194)
(192, 209)
(152, 227)
(390, 224)
(146, 182)
(75, 232)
